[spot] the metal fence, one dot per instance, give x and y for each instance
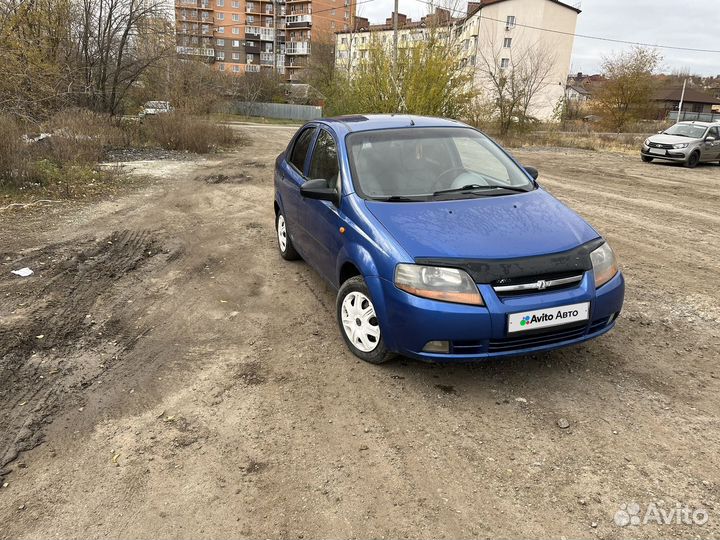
(277, 110)
(688, 116)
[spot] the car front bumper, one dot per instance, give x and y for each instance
(670, 155)
(409, 322)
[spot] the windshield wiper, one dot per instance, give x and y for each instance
(396, 198)
(478, 187)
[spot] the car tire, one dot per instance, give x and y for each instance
(646, 159)
(358, 323)
(285, 245)
(693, 160)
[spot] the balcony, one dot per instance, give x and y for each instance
(298, 21)
(252, 68)
(302, 47)
(267, 34)
(255, 49)
(196, 19)
(252, 32)
(266, 58)
(196, 51)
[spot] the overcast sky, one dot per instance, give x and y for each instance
(688, 23)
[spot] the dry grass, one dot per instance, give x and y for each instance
(177, 131)
(622, 142)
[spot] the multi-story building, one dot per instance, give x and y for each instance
(493, 35)
(239, 36)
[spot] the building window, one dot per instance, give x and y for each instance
(249, 43)
(220, 16)
(219, 3)
(236, 17)
(221, 67)
(220, 42)
(507, 43)
(236, 69)
(236, 42)
(505, 63)
(332, 12)
(235, 4)
(343, 41)
(250, 58)
(250, 19)
(220, 55)
(510, 22)
(235, 30)
(221, 29)
(332, 24)
(236, 56)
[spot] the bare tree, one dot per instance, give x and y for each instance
(118, 40)
(514, 86)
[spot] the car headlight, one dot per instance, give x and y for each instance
(604, 265)
(678, 146)
(437, 283)
(647, 142)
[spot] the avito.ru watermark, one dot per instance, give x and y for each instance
(632, 514)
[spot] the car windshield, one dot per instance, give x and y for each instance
(687, 130)
(428, 163)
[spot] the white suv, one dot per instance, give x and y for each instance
(689, 143)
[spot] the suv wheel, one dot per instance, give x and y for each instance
(285, 245)
(693, 160)
(646, 159)
(358, 322)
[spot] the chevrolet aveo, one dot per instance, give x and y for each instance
(442, 247)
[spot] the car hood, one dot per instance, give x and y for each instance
(499, 227)
(671, 139)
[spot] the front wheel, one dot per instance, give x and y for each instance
(646, 159)
(285, 245)
(359, 323)
(693, 160)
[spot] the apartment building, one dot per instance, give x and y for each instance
(502, 31)
(239, 36)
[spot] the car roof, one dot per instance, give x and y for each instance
(700, 123)
(368, 122)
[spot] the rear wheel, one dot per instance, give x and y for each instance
(285, 245)
(646, 159)
(693, 160)
(359, 323)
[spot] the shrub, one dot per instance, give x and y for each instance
(177, 131)
(81, 136)
(13, 152)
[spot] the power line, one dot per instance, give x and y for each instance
(585, 36)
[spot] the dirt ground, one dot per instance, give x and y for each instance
(165, 374)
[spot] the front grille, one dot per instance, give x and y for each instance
(661, 145)
(536, 284)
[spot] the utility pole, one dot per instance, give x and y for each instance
(682, 99)
(395, 37)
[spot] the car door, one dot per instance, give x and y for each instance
(712, 149)
(322, 219)
(292, 173)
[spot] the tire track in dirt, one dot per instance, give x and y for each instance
(38, 345)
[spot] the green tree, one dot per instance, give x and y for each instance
(428, 79)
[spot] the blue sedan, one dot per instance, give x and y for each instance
(441, 246)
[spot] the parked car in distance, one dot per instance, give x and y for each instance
(441, 246)
(689, 143)
(152, 108)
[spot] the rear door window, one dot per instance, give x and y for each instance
(300, 150)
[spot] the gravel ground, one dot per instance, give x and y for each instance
(165, 374)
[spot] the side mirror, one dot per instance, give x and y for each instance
(532, 171)
(320, 190)
(710, 140)
(660, 132)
